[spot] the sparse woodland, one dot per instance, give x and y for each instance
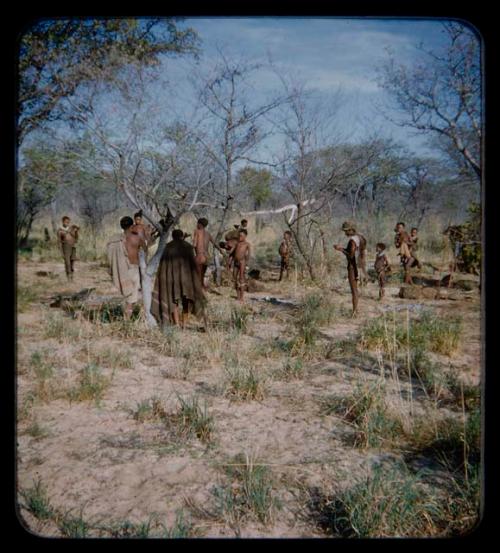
(284, 416)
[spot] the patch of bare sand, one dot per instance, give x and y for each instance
(97, 456)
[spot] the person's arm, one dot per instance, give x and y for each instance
(349, 252)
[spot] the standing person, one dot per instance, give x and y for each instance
(231, 239)
(402, 241)
(352, 270)
(382, 266)
(123, 258)
(285, 251)
(241, 253)
(201, 240)
(177, 284)
(67, 236)
(414, 246)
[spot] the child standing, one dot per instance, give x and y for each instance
(241, 255)
(285, 251)
(382, 267)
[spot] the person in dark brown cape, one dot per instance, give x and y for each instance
(177, 284)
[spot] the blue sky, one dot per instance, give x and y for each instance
(328, 53)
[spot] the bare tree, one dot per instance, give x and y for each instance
(440, 95)
(159, 169)
(317, 166)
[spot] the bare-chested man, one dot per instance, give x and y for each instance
(67, 236)
(201, 240)
(241, 253)
(402, 241)
(285, 251)
(352, 269)
(123, 258)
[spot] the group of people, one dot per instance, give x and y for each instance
(180, 282)
(355, 252)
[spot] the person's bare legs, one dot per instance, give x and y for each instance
(203, 271)
(354, 291)
(407, 265)
(175, 315)
(381, 283)
(241, 282)
(127, 313)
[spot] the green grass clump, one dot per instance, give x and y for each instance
(91, 386)
(113, 358)
(149, 410)
(192, 420)
(391, 502)
(59, 327)
(182, 528)
(43, 372)
(35, 430)
(73, 526)
(37, 501)
(462, 394)
(243, 383)
(427, 332)
(250, 493)
(450, 442)
(127, 529)
(367, 411)
(292, 368)
(25, 296)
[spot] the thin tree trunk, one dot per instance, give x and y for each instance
(218, 268)
(53, 216)
(148, 275)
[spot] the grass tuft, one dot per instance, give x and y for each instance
(37, 501)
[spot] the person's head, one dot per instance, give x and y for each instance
(399, 227)
(380, 247)
(242, 235)
(178, 234)
(202, 223)
(126, 222)
(287, 235)
(65, 221)
(414, 231)
(349, 228)
(244, 223)
(138, 217)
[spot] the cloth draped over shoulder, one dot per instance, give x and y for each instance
(176, 280)
(125, 275)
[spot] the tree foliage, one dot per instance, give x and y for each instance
(56, 57)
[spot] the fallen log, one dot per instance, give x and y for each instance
(104, 308)
(58, 299)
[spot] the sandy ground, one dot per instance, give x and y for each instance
(96, 460)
